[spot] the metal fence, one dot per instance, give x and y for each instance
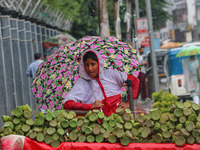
(19, 40)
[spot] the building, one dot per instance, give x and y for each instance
(183, 27)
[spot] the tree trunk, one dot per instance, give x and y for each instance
(117, 19)
(128, 20)
(103, 18)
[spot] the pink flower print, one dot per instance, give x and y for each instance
(69, 67)
(72, 48)
(49, 82)
(94, 46)
(62, 47)
(60, 95)
(51, 97)
(74, 57)
(61, 59)
(75, 67)
(122, 89)
(44, 96)
(124, 56)
(110, 68)
(56, 101)
(111, 50)
(70, 77)
(51, 104)
(71, 62)
(67, 73)
(49, 59)
(70, 53)
(62, 70)
(59, 106)
(121, 43)
(39, 94)
(53, 62)
(120, 56)
(104, 57)
(63, 65)
(120, 48)
(59, 76)
(136, 61)
(33, 90)
(101, 51)
(51, 71)
(40, 87)
(40, 66)
(54, 85)
(89, 43)
(39, 105)
(45, 82)
(119, 62)
(135, 73)
(65, 94)
(76, 77)
(58, 89)
(44, 76)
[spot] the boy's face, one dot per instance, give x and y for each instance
(91, 68)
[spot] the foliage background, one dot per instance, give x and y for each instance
(85, 18)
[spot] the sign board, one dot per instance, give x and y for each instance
(142, 31)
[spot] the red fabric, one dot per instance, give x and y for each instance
(135, 85)
(47, 45)
(34, 145)
(142, 86)
(110, 104)
(70, 104)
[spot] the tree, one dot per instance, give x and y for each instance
(85, 21)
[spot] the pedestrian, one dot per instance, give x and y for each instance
(98, 88)
(190, 68)
(142, 76)
(32, 68)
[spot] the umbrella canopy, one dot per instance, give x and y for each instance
(189, 51)
(58, 73)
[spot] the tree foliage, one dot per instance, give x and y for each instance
(85, 19)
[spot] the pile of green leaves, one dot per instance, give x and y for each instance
(163, 100)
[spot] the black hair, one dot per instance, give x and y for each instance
(141, 47)
(91, 55)
(37, 56)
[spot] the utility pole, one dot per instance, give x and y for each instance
(153, 55)
(136, 16)
(137, 9)
(104, 29)
(117, 19)
(128, 21)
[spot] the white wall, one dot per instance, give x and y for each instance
(191, 8)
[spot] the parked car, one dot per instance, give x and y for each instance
(160, 55)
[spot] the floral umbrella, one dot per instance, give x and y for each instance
(58, 73)
(189, 51)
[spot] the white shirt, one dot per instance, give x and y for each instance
(141, 60)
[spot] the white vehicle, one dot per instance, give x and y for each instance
(191, 44)
(174, 73)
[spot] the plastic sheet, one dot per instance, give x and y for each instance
(15, 142)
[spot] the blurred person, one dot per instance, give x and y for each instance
(190, 68)
(142, 76)
(32, 68)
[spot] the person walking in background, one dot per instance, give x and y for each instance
(142, 76)
(32, 68)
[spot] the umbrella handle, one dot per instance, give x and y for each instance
(129, 85)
